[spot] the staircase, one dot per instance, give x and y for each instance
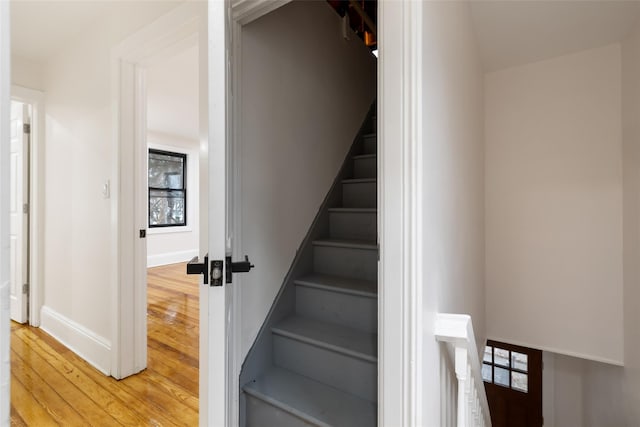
(315, 360)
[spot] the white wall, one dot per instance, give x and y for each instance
(631, 221)
(554, 205)
(26, 73)
(77, 246)
(305, 93)
(453, 180)
(612, 394)
(169, 245)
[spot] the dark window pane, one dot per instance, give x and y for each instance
(166, 171)
(487, 374)
(519, 361)
(519, 381)
(488, 350)
(166, 207)
(501, 357)
(501, 376)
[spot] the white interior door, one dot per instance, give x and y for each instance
(19, 196)
(215, 301)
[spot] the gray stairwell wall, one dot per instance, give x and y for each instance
(306, 92)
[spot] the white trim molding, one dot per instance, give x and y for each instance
(96, 350)
(400, 284)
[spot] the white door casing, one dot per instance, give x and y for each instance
(19, 217)
(5, 70)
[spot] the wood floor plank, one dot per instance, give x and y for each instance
(51, 385)
(92, 395)
(29, 375)
(16, 419)
(29, 409)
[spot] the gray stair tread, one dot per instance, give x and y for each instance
(365, 156)
(332, 336)
(312, 401)
(347, 243)
(354, 210)
(366, 288)
(359, 180)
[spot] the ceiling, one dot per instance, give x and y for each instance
(516, 32)
(509, 32)
(40, 28)
(172, 96)
(56, 22)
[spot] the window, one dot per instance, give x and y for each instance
(506, 368)
(167, 189)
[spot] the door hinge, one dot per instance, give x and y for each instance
(25, 208)
(25, 288)
(26, 128)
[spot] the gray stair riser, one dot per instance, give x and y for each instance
(365, 168)
(369, 144)
(359, 195)
(346, 262)
(344, 372)
(354, 311)
(353, 225)
(262, 414)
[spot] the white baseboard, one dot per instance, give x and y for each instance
(96, 350)
(170, 258)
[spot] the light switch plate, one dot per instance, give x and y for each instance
(106, 189)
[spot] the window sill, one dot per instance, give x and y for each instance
(167, 230)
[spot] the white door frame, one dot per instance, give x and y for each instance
(401, 330)
(166, 36)
(35, 99)
(399, 196)
(5, 113)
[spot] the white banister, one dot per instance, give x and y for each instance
(457, 331)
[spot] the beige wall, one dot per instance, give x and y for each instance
(452, 180)
(554, 204)
(305, 93)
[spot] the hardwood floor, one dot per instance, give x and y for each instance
(50, 385)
